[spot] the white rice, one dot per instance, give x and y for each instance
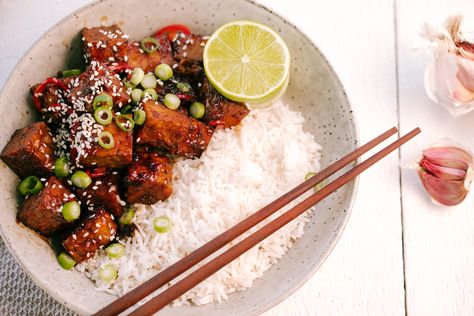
(242, 170)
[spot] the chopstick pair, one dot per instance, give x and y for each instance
(181, 287)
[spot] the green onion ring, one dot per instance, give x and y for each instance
(152, 93)
(103, 99)
(127, 216)
(30, 185)
(99, 115)
(145, 45)
(71, 211)
(66, 261)
(106, 140)
(139, 117)
(123, 119)
(137, 76)
(162, 224)
(62, 167)
(71, 72)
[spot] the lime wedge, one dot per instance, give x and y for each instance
(247, 62)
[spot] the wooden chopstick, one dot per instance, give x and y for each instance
(223, 239)
(178, 289)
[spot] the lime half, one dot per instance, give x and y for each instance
(247, 61)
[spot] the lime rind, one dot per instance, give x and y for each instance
(262, 76)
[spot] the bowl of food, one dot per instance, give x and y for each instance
(127, 148)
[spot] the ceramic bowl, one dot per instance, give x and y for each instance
(314, 90)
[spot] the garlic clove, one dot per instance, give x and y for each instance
(441, 172)
(446, 172)
(446, 192)
(449, 156)
(449, 79)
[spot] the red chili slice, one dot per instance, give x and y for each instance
(119, 67)
(97, 172)
(173, 29)
(216, 123)
(40, 89)
(185, 96)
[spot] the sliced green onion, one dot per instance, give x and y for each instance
(183, 86)
(163, 72)
(103, 115)
(139, 117)
(127, 217)
(318, 186)
(108, 272)
(162, 224)
(115, 250)
(197, 110)
(71, 72)
(126, 109)
(137, 76)
(152, 93)
(309, 175)
(71, 211)
(125, 122)
(81, 179)
(128, 84)
(30, 185)
(106, 140)
(172, 101)
(137, 95)
(149, 81)
(103, 99)
(62, 167)
(66, 261)
(149, 44)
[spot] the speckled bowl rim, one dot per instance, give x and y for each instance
(298, 283)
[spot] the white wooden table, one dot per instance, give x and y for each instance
(399, 254)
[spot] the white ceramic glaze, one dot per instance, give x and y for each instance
(314, 90)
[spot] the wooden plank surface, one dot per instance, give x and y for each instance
(364, 274)
(439, 241)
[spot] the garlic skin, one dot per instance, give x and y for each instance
(446, 172)
(449, 79)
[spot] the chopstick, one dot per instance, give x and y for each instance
(181, 287)
(218, 242)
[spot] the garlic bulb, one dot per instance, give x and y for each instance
(446, 173)
(449, 79)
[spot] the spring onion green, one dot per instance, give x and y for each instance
(108, 273)
(139, 117)
(103, 99)
(125, 122)
(163, 72)
(30, 185)
(149, 81)
(151, 93)
(66, 261)
(197, 110)
(103, 115)
(81, 179)
(127, 216)
(137, 76)
(162, 224)
(137, 95)
(115, 250)
(106, 140)
(62, 167)
(71, 211)
(183, 86)
(172, 101)
(149, 44)
(71, 72)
